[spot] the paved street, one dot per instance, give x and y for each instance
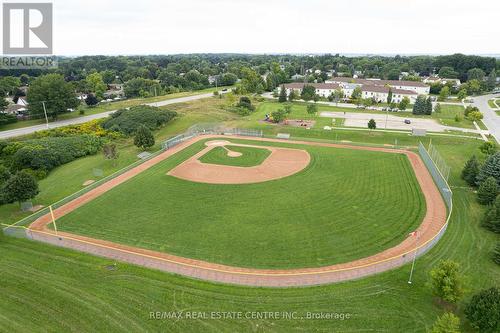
(491, 118)
(32, 129)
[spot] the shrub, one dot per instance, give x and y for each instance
(372, 124)
(7, 119)
(144, 138)
(278, 116)
(491, 219)
(496, 254)
(490, 168)
(447, 323)
(483, 310)
(20, 187)
(446, 281)
(488, 191)
(470, 171)
(128, 121)
(488, 148)
(50, 152)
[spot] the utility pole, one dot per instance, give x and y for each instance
(45, 112)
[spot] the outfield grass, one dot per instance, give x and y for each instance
(250, 156)
(262, 225)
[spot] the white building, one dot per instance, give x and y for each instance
(322, 89)
(381, 93)
(419, 87)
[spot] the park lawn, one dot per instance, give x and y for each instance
(494, 103)
(105, 107)
(39, 283)
(250, 156)
(323, 225)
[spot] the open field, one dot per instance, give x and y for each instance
(323, 225)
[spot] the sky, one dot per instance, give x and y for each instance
(89, 27)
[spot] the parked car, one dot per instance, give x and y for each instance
(407, 121)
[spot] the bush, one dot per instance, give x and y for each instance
(128, 121)
(447, 323)
(488, 191)
(496, 254)
(20, 187)
(7, 119)
(144, 138)
(446, 281)
(488, 148)
(491, 220)
(490, 168)
(483, 311)
(50, 152)
(470, 171)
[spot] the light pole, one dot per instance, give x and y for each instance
(415, 233)
(45, 112)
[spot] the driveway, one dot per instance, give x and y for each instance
(84, 119)
(356, 119)
(491, 118)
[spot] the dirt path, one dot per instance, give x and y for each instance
(433, 224)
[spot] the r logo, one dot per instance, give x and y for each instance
(27, 28)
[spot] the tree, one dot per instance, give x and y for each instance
(96, 84)
(448, 72)
(483, 310)
(312, 109)
(57, 94)
(110, 152)
(490, 168)
(404, 103)
(20, 187)
(91, 100)
(488, 191)
(389, 96)
(356, 93)
(282, 97)
(447, 323)
(144, 138)
(292, 95)
(475, 116)
(488, 148)
(3, 104)
(446, 281)
(420, 105)
(372, 124)
(428, 106)
(473, 87)
(278, 116)
(288, 108)
(475, 74)
(470, 109)
(471, 170)
(228, 79)
(444, 94)
(308, 93)
(4, 175)
(491, 219)
(491, 80)
(462, 94)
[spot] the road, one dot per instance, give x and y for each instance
(491, 118)
(84, 119)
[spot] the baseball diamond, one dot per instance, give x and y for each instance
(334, 229)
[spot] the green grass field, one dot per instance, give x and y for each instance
(262, 225)
(250, 156)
